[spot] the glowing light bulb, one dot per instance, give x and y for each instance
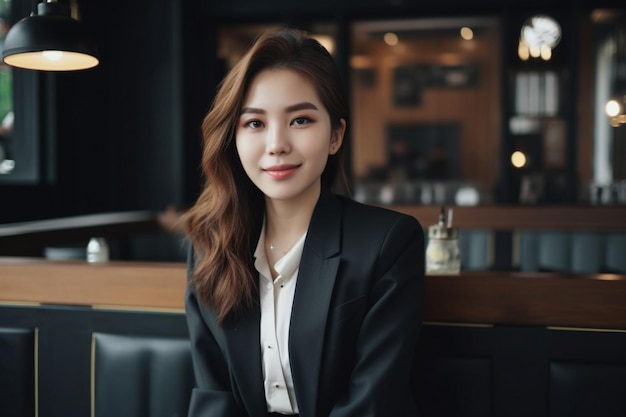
(535, 51)
(545, 52)
(467, 33)
(391, 39)
(523, 51)
(612, 108)
(518, 159)
(53, 55)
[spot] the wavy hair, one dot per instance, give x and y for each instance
(224, 223)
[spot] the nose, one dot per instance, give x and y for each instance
(277, 141)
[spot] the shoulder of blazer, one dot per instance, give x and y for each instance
(324, 232)
(373, 215)
(337, 218)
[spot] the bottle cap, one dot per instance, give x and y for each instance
(441, 230)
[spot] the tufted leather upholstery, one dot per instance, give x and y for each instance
(135, 376)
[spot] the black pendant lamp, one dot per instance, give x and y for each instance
(50, 41)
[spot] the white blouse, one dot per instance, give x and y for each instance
(276, 301)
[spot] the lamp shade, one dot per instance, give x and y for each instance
(50, 41)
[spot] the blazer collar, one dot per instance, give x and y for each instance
(323, 237)
(314, 288)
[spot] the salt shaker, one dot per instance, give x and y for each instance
(97, 250)
(442, 252)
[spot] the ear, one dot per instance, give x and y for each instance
(336, 138)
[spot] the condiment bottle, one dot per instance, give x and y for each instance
(97, 250)
(442, 252)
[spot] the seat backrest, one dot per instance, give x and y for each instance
(18, 391)
(138, 376)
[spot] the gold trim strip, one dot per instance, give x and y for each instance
(455, 324)
(36, 359)
(93, 374)
(19, 303)
(585, 329)
(132, 308)
(97, 307)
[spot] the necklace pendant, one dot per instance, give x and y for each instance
(275, 249)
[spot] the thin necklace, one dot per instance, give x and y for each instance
(276, 249)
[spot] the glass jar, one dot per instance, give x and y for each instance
(442, 252)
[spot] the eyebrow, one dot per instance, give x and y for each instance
(294, 107)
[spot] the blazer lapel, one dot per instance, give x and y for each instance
(242, 334)
(314, 288)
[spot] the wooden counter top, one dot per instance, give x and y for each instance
(543, 299)
(485, 297)
(158, 286)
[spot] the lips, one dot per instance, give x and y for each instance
(281, 172)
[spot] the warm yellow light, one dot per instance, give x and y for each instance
(522, 51)
(545, 52)
(391, 39)
(518, 159)
(52, 60)
(612, 108)
(535, 51)
(53, 55)
(618, 120)
(467, 33)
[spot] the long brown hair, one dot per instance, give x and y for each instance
(224, 223)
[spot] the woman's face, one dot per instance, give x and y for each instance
(284, 136)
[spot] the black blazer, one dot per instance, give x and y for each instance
(356, 316)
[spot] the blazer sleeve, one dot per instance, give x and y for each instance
(381, 379)
(212, 396)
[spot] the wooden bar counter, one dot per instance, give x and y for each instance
(137, 285)
(500, 344)
(485, 297)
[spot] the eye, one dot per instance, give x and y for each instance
(253, 124)
(299, 121)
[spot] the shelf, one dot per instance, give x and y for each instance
(608, 218)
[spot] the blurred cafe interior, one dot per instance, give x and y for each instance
(510, 116)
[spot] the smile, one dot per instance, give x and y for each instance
(281, 172)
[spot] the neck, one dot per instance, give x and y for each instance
(286, 222)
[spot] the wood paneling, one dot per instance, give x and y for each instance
(486, 297)
(540, 299)
(526, 217)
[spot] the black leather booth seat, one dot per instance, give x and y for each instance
(17, 371)
(136, 376)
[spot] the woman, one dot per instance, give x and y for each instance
(301, 301)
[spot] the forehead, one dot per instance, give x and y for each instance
(280, 85)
